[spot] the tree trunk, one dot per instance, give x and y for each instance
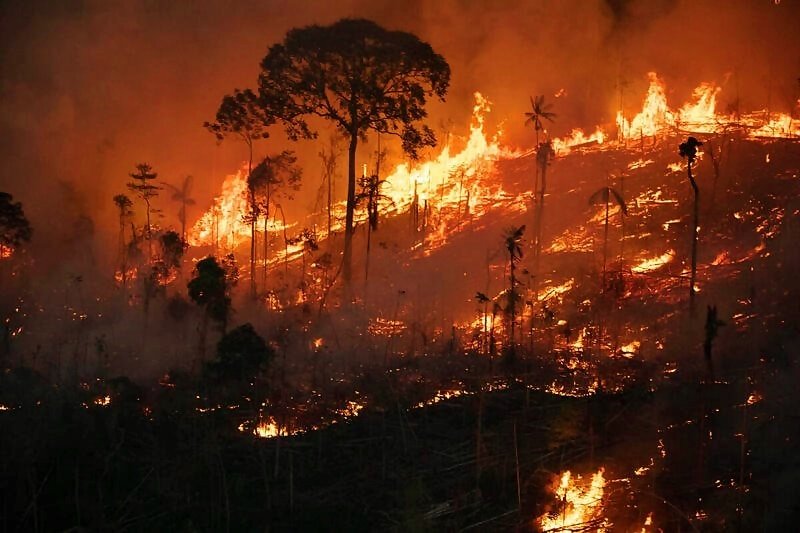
(605, 244)
(351, 206)
(695, 222)
(253, 217)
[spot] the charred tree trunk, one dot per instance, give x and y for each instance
(695, 222)
(351, 205)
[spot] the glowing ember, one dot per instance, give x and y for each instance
(103, 401)
(385, 327)
(630, 349)
(580, 504)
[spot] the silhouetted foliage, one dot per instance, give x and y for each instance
(14, 226)
(359, 76)
(241, 354)
(210, 290)
(142, 185)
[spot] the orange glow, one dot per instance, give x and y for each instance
(653, 263)
(580, 505)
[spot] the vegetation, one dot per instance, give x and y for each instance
(360, 77)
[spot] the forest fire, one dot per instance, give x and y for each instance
(398, 280)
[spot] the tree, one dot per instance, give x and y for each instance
(244, 116)
(241, 354)
(512, 241)
(539, 112)
(14, 226)
(329, 160)
(360, 77)
(605, 196)
(123, 204)
(275, 176)
(371, 194)
(210, 290)
(182, 195)
(142, 186)
(688, 150)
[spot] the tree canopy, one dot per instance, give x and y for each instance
(14, 226)
(359, 76)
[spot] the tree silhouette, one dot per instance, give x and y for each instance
(540, 111)
(142, 186)
(371, 194)
(512, 241)
(274, 177)
(688, 150)
(14, 226)
(123, 204)
(604, 196)
(182, 195)
(360, 77)
(243, 115)
(241, 354)
(210, 290)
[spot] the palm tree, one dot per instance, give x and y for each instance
(182, 195)
(540, 111)
(688, 150)
(606, 195)
(513, 244)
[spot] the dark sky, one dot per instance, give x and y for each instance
(89, 88)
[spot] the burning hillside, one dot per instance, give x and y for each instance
(563, 303)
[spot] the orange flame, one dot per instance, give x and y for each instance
(581, 504)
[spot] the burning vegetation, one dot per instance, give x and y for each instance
(580, 329)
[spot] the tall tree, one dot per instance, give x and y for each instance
(605, 196)
(182, 195)
(14, 226)
(512, 240)
(123, 204)
(540, 111)
(242, 115)
(361, 77)
(688, 150)
(143, 186)
(275, 177)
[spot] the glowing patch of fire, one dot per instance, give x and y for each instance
(580, 504)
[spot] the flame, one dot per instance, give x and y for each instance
(223, 223)
(6, 252)
(654, 263)
(577, 137)
(653, 117)
(580, 504)
(700, 116)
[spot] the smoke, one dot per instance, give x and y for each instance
(90, 88)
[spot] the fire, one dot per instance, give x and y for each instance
(103, 401)
(654, 263)
(577, 137)
(6, 252)
(700, 116)
(653, 117)
(580, 504)
(223, 224)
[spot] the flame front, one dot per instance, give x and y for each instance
(580, 504)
